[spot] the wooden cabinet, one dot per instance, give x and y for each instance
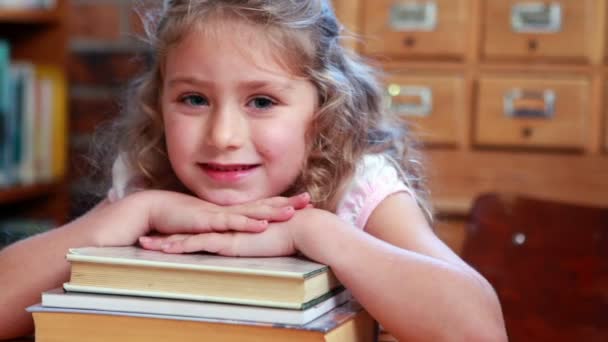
(38, 36)
(518, 94)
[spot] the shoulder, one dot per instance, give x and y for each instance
(375, 178)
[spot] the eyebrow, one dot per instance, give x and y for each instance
(250, 84)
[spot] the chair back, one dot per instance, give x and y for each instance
(548, 262)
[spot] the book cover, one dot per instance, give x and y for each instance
(5, 102)
(348, 322)
(26, 96)
(144, 305)
(55, 119)
(287, 282)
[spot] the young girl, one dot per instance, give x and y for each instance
(255, 133)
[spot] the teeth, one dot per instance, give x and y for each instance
(237, 168)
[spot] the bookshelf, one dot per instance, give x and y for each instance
(39, 36)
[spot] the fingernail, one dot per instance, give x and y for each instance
(166, 245)
(144, 239)
(263, 223)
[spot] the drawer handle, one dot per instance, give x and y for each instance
(413, 16)
(529, 104)
(410, 100)
(536, 17)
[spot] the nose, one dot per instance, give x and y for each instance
(227, 129)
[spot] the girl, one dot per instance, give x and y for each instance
(256, 134)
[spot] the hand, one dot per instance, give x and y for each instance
(279, 239)
(123, 222)
(275, 209)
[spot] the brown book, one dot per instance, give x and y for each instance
(281, 282)
(346, 323)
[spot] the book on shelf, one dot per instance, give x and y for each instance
(33, 117)
(281, 282)
(5, 104)
(58, 298)
(26, 4)
(349, 322)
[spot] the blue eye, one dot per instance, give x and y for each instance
(195, 100)
(262, 103)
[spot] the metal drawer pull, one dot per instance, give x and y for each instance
(413, 16)
(529, 104)
(410, 100)
(536, 17)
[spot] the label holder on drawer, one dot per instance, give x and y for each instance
(413, 16)
(520, 103)
(536, 17)
(419, 100)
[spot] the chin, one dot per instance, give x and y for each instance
(228, 198)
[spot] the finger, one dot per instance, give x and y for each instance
(202, 221)
(273, 242)
(297, 201)
(155, 242)
(224, 221)
(300, 201)
(263, 211)
(218, 243)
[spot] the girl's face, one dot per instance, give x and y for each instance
(234, 118)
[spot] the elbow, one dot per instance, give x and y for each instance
(14, 326)
(489, 324)
(488, 332)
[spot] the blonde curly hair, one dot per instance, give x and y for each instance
(352, 119)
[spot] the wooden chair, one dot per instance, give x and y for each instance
(548, 262)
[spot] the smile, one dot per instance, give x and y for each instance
(228, 172)
(229, 168)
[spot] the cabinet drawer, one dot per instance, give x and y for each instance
(411, 28)
(532, 112)
(434, 105)
(524, 29)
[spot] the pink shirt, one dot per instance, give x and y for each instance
(376, 178)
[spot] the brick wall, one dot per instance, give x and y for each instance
(103, 51)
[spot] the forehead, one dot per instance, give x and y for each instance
(231, 41)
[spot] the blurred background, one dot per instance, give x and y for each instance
(507, 98)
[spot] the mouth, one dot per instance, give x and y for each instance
(228, 167)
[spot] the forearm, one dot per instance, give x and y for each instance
(413, 296)
(30, 267)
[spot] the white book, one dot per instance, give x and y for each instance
(91, 302)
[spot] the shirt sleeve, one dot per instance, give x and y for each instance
(375, 179)
(121, 176)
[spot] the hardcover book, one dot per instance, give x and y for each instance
(58, 298)
(282, 282)
(346, 323)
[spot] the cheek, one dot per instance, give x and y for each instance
(280, 143)
(179, 138)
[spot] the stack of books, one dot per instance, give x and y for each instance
(130, 294)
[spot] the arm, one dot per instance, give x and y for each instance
(37, 264)
(414, 285)
(34, 265)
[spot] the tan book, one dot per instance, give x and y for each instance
(282, 282)
(347, 323)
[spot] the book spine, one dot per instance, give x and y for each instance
(5, 103)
